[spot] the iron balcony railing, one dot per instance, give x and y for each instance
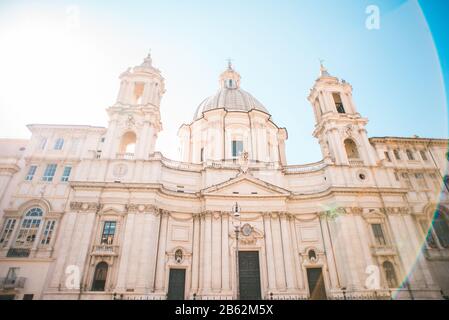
(105, 250)
(12, 283)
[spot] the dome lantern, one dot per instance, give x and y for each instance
(230, 79)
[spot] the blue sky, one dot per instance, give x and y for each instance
(58, 74)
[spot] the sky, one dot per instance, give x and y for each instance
(60, 62)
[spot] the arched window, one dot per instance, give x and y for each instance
(100, 275)
(351, 149)
(390, 274)
(128, 143)
(312, 255)
(138, 92)
(410, 155)
(441, 228)
(29, 228)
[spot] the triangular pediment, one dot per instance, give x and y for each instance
(245, 185)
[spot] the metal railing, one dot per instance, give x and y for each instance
(18, 253)
(12, 283)
(105, 249)
(305, 168)
(125, 156)
(355, 162)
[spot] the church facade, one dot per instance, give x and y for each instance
(97, 213)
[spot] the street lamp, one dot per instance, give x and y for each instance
(237, 223)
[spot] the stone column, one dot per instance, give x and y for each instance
(125, 252)
(269, 251)
(195, 253)
(110, 140)
(216, 251)
(295, 252)
(162, 254)
(135, 254)
(278, 253)
(225, 252)
(323, 104)
(207, 260)
(369, 150)
(147, 250)
(338, 147)
(287, 248)
(62, 245)
(337, 239)
(142, 141)
(350, 251)
(202, 252)
(331, 263)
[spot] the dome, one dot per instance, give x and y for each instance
(230, 96)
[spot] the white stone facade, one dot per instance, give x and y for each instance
(96, 213)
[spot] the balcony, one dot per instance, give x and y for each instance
(355, 162)
(383, 250)
(125, 156)
(105, 250)
(12, 283)
(18, 253)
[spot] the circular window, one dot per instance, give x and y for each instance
(362, 175)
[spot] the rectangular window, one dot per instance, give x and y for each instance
(423, 155)
(406, 179)
(435, 181)
(27, 233)
(59, 143)
(378, 234)
(410, 155)
(202, 154)
(421, 181)
(28, 296)
(396, 176)
(338, 103)
(66, 174)
(138, 92)
(31, 173)
(107, 237)
(387, 156)
(48, 232)
(7, 231)
(237, 148)
(49, 172)
(396, 154)
(42, 143)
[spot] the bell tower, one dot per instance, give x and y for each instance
(339, 128)
(134, 120)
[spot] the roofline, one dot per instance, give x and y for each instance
(62, 126)
(270, 118)
(417, 139)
